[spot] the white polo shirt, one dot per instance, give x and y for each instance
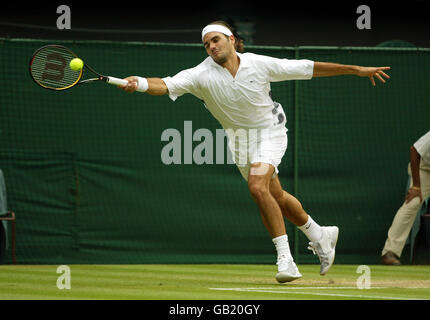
(423, 147)
(242, 101)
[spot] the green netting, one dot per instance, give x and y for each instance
(85, 177)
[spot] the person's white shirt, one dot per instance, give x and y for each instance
(422, 145)
(242, 101)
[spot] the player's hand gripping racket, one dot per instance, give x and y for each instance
(50, 69)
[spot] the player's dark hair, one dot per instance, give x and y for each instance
(239, 41)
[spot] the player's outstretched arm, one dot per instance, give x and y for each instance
(155, 86)
(327, 69)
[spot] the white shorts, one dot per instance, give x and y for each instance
(261, 145)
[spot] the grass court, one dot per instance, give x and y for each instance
(211, 282)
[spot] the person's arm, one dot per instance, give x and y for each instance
(415, 190)
(156, 86)
(327, 69)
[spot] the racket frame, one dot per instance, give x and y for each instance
(99, 77)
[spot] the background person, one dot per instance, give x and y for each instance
(419, 172)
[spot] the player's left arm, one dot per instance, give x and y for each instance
(327, 69)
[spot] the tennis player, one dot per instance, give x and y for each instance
(235, 88)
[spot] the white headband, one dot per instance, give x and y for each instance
(217, 28)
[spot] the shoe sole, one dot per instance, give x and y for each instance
(334, 253)
(283, 277)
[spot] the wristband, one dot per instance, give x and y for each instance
(142, 84)
(416, 188)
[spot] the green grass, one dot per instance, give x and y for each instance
(210, 282)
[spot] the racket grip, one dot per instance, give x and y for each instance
(116, 81)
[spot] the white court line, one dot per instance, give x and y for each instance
(291, 291)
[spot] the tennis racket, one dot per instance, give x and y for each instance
(49, 68)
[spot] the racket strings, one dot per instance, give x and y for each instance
(50, 68)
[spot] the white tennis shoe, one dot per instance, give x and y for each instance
(325, 248)
(287, 270)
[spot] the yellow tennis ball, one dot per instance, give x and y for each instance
(76, 64)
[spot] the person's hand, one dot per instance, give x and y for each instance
(372, 72)
(412, 193)
(131, 86)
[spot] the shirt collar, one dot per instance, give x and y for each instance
(243, 61)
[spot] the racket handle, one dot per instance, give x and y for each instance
(116, 81)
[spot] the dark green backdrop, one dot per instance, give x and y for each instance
(84, 173)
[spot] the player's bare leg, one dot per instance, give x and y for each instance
(323, 239)
(258, 183)
(259, 179)
(291, 207)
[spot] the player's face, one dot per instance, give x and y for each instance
(218, 46)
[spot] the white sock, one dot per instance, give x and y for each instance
(282, 246)
(312, 230)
